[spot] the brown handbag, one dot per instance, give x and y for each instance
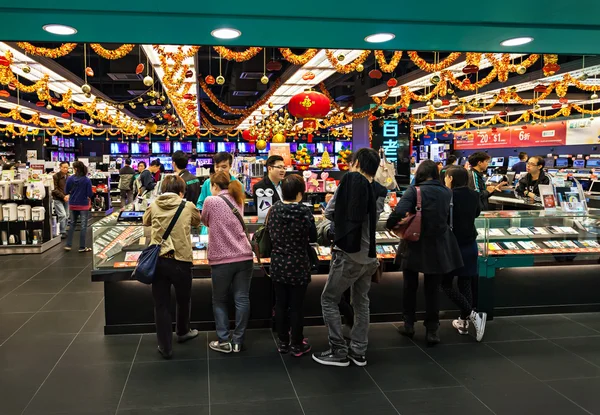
(409, 228)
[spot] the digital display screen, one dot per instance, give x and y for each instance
(561, 162)
(201, 162)
(293, 147)
(593, 163)
(192, 167)
(72, 142)
(167, 162)
(61, 156)
(54, 140)
(595, 187)
(497, 162)
(549, 161)
(186, 147)
(140, 148)
(61, 142)
(339, 146)
(228, 147)
(246, 147)
(161, 147)
(136, 160)
(322, 147)
(206, 147)
(130, 216)
(512, 160)
(579, 163)
(71, 156)
(54, 156)
(119, 148)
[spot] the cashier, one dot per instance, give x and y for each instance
(528, 187)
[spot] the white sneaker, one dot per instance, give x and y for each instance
(478, 320)
(461, 325)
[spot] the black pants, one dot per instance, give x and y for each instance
(461, 297)
(179, 274)
(289, 313)
(432, 298)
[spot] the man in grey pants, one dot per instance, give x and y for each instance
(354, 210)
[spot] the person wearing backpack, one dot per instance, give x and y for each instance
(434, 254)
(126, 178)
(174, 266)
(231, 259)
(291, 227)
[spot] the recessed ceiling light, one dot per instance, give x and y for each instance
(380, 37)
(226, 33)
(59, 29)
(517, 41)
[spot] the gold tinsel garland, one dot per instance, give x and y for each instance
(117, 53)
(350, 67)
(430, 67)
(179, 54)
(216, 117)
(385, 66)
(246, 112)
(52, 53)
(298, 59)
(243, 56)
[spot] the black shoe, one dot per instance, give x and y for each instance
(357, 359)
(331, 358)
(283, 347)
(433, 337)
(300, 350)
(164, 354)
(408, 330)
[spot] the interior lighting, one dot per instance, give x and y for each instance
(226, 33)
(380, 37)
(517, 41)
(59, 29)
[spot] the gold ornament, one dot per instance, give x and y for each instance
(26, 69)
(435, 79)
(88, 95)
(437, 103)
(148, 81)
(264, 80)
(360, 67)
(140, 99)
(48, 107)
(271, 105)
(220, 80)
(450, 91)
(428, 103)
(341, 57)
(86, 89)
(521, 69)
(153, 102)
(279, 138)
(583, 77)
(263, 111)
(261, 144)
(594, 96)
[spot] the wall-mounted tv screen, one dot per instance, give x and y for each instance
(322, 147)
(579, 163)
(184, 146)
(54, 156)
(593, 163)
(228, 147)
(72, 142)
(266, 150)
(71, 156)
(246, 147)
(345, 145)
(161, 147)
(61, 156)
(512, 160)
(119, 148)
(293, 147)
(54, 140)
(140, 148)
(61, 141)
(192, 167)
(167, 162)
(206, 147)
(561, 162)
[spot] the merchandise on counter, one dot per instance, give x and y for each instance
(5, 190)
(17, 188)
(4, 237)
(525, 231)
(529, 245)
(495, 232)
(38, 236)
(38, 213)
(510, 246)
(9, 212)
(36, 190)
(514, 231)
(24, 213)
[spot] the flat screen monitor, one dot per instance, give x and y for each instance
(185, 146)
(343, 145)
(136, 160)
(322, 147)
(579, 163)
(167, 162)
(293, 147)
(228, 147)
(119, 148)
(204, 161)
(550, 162)
(54, 156)
(246, 147)
(512, 160)
(61, 156)
(595, 187)
(71, 157)
(206, 147)
(497, 162)
(54, 140)
(161, 147)
(593, 163)
(61, 141)
(72, 142)
(561, 162)
(140, 148)
(312, 148)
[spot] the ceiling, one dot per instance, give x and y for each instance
(558, 27)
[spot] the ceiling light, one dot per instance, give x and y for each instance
(226, 33)
(517, 41)
(380, 37)
(58, 29)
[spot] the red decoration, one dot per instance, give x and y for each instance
(189, 74)
(310, 138)
(392, 82)
(210, 80)
(54, 100)
(4, 94)
(403, 109)
(4, 61)
(274, 66)
(503, 113)
(551, 68)
(309, 105)
(72, 111)
(248, 136)
(12, 86)
(139, 69)
(524, 127)
(467, 82)
(375, 74)
(188, 96)
(40, 104)
(66, 115)
(191, 107)
(563, 100)
(556, 106)
(308, 76)
(89, 71)
(445, 102)
(471, 69)
(540, 88)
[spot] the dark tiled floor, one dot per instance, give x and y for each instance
(55, 359)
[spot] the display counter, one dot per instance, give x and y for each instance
(530, 261)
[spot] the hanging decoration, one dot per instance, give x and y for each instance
(348, 68)
(429, 67)
(551, 65)
(52, 53)
(385, 66)
(231, 55)
(179, 55)
(117, 53)
(294, 59)
(246, 112)
(309, 105)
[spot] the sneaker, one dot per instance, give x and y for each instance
(237, 348)
(164, 354)
(223, 347)
(407, 330)
(283, 347)
(331, 358)
(188, 336)
(300, 350)
(433, 337)
(357, 359)
(67, 248)
(478, 320)
(461, 325)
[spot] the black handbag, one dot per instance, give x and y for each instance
(145, 270)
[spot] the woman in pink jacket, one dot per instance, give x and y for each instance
(231, 260)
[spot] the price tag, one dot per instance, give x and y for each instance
(5, 243)
(23, 242)
(35, 241)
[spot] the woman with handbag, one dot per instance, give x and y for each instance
(79, 189)
(230, 258)
(291, 226)
(434, 252)
(174, 265)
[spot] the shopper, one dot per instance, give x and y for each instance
(174, 266)
(231, 259)
(126, 179)
(451, 160)
(435, 253)
(146, 182)
(521, 166)
(528, 187)
(79, 189)
(222, 161)
(275, 174)
(464, 211)
(192, 184)
(479, 163)
(353, 210)
(60, 199)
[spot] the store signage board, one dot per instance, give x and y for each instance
(583, 131)
(283, 150)
(554, 134)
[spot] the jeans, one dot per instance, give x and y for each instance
(343, 274)
(85, 216)
(236, 277)
(126, 197)
(462, 296)
(61, 208)
(289, 299)
(432, 298)
(169, 272)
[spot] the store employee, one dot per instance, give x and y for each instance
(275, 174)
(222, 161)
(528, 188)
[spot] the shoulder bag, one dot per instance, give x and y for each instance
(262, 239)
(386, 173)
(409, 228)
(145, 269)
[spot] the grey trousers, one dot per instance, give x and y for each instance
(345, 273)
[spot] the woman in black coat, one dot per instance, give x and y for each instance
(435, 253)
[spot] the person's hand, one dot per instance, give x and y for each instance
(491, 189)
(66, 198)
(531, 195)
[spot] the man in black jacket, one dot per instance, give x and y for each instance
(126, 179)
(275, 174)
(528, 188)
(192, 184)
(60, 199)
(353, 210)
(479, 163)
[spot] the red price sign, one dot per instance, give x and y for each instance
(553, 134)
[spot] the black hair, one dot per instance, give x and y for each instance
(292, 185)
(172, 183)
(128, 162)
(439, 163)
(541, 162)
(427, 170)
(523, 156)
(61, 163)
(368, 160)
(460, 176)
(80, 168)
(272, 160)
(155, 163)
(478, 157)
(221, 157)
(180, 159)
(142, 162)
(450, 160)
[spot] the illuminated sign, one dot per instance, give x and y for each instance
(390, 148)
(390, 128)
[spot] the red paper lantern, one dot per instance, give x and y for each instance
(4, 94)
(4, 61)
(189, 74)
(563, 100)
(392, 82)
(248, 136)
(66, 115)
(540, 88)
(308, 76)
(40, 104)
(274, 66)
(445, 102)
(309, 105)
(210, 80)
(375, 74)
(139, 69)
(471, 69)
(72, 111)
(188, 96)
(556, 106)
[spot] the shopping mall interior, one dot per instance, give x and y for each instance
(313, 83)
